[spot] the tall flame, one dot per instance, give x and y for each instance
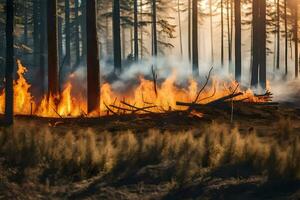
(66, 105)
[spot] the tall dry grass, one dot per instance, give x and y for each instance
(85, 153)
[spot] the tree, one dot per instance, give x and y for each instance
(154, 29)
(238, 54)
(35, 16)
(93, 80)
(189, 30)
(278, 34)
(53, 83)
(179, 27)
(259, 43)
(296, 38)
(77, 35)
(68, 34)
(136, 34)
(285, 38)
(116, 37)
(222, 33)
(43, 44)
(9, 70)
(195, 38)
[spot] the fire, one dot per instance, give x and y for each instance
(143, 95)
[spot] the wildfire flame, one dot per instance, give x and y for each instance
(66, 105)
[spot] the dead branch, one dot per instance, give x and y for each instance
(137, 108)
(57, 112)
(225, 98)
(206, 82)
(215, 90)
(110, 110)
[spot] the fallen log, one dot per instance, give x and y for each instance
(223, 99)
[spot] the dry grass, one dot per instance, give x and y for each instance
(85, 153)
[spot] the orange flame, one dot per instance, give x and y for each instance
(66, 105)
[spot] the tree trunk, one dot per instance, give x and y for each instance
(179, 27)
(259, 44)
(136, 33)
(53, 84)
(262, 44)
(116, 36)
(211, 32)
(93, 80)
(189, 31)
(228, 34)
(9, 70)
(36, 33)
(195, 39)
(222, 33)
(278, 35)
(154, 29)
(25, 23)
(296, 39)
(141, 29)
(83, 30)
(61, 57)
(43, 44)
(238, 54)
(77, 37)
(67, 34)
(285, 38)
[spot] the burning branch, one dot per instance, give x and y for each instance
(204, 86)
(137, 108)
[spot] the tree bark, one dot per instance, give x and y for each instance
(67, 34)
(296, 39)
(77, 36)
(83, 29)
(9, 70)
(195, 39)
(285, 38)
(189, 31)
(141, 29)
(278, 35)
(179, 27)
(36, 33)
(259, 44)
(116, 36)
(43, 44)
(93, 80)
(25, 23)
(154, 29)
(53, 83)
(238, 54)
(211, 32)
(222, 33)
(136, 33)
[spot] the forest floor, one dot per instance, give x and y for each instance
(225, 171)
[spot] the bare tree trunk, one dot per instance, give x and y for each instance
(136, 36)
(228, 33)
(195, 39)
(179, 27)
(25, 23)
(43, 44)
(278, 35)
(154, 30)
(123, 40)
(142, 34)
(255, 44)
(222, 33)
(83, 29)
(9, 70)
(238, 54)
(60, 43)
(296, 39)
(116, 36)
(189, 31)
(93, 80)
(67, 34)
(262, 42)
(77, 37)
(36, 33)
(211, 32)
(285, 37)
(53, 84)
